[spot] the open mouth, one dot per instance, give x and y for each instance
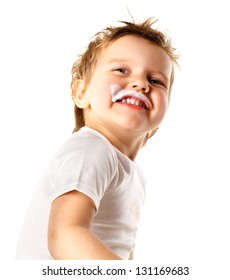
(131, 97)
(133, 101)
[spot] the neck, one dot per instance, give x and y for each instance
(126, 143)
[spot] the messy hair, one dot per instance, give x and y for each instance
(84, 67)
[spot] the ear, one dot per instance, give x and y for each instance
(79, 94)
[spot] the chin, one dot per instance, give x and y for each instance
(133, 126)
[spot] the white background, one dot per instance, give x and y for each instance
(186, 215)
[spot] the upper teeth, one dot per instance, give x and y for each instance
(130, 96)
(133, 101)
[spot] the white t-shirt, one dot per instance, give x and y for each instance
(89, 163)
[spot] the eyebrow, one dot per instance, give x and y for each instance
(117, 60)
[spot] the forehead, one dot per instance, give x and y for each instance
(135, 49)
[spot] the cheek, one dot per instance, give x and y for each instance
(161, 104)
(101, 98)
(120, 81)
(161, 98)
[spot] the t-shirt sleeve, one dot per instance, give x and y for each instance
(86, 164)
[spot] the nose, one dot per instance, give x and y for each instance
(140, 84)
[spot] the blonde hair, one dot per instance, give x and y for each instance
(83, 68)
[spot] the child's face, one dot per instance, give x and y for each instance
(129, 63)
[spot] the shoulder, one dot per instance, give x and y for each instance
(87, 144)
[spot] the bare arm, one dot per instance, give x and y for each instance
(69, 237)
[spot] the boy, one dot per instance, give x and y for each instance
(87, 204)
